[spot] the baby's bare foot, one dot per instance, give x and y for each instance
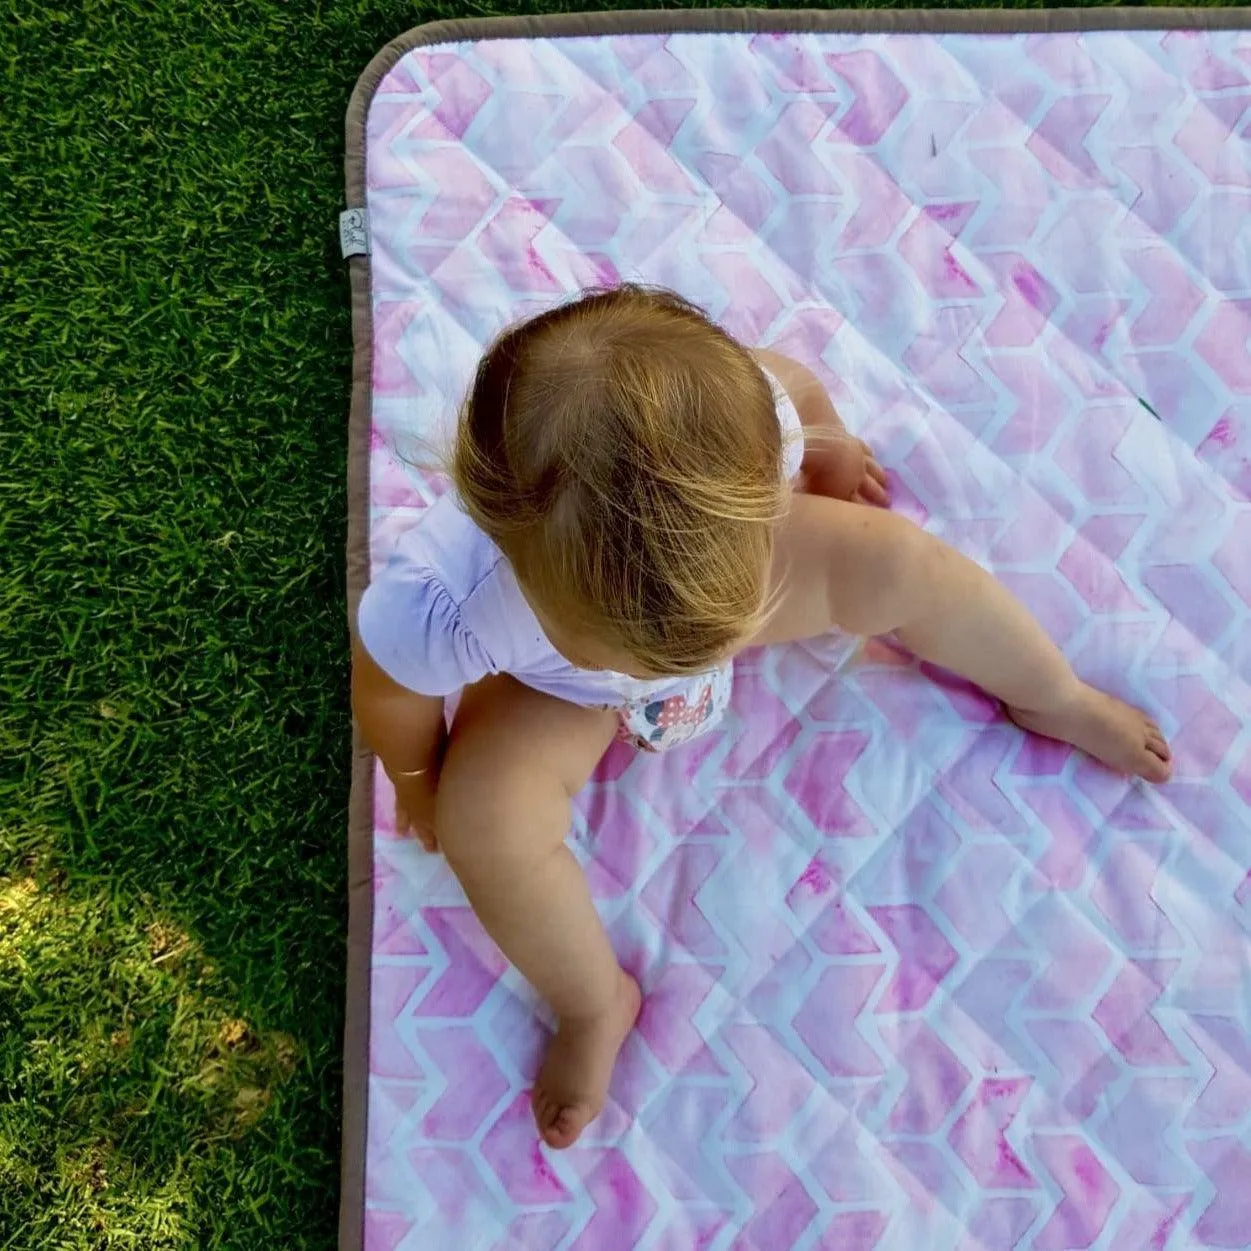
(1123, 738)
(573, 1081)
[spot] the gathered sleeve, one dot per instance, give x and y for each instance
(414, 631)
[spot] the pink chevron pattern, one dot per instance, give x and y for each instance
(913, 980)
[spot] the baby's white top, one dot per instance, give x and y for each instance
(446, 611)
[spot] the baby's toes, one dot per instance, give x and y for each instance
(1157, 759)
(1155, 739)
(563, 1129)
(1161, 751)
(544, 1110)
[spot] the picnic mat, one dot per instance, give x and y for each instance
(913, 979)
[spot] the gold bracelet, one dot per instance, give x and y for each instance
(407, 773)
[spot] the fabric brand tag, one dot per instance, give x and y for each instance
(354, 232)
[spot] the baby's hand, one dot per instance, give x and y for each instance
(414, 808)
(845, 468)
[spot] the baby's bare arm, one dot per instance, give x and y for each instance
(405, 730)
(866, 571)
(408, 734)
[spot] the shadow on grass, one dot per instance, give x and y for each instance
(133, 1086)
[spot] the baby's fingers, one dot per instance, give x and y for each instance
(874, 470)
(873, 491)
(404, 824)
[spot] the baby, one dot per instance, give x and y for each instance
(637, 498)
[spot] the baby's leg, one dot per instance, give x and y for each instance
(869, 572)
(515, 760)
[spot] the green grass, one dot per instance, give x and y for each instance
(174, 354)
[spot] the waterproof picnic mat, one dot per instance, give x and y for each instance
(913, 979)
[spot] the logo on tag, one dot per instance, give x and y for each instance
(354, 233)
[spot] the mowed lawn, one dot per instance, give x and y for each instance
(174, 728)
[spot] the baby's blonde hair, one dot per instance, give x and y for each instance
(625, 455)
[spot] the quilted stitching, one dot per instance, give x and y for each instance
(914, 980)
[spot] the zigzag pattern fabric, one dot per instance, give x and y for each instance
(914, 980)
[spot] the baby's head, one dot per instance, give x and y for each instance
(625, 455)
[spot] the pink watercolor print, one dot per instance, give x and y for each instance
(912, 980)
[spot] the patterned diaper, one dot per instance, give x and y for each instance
(695, 706)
